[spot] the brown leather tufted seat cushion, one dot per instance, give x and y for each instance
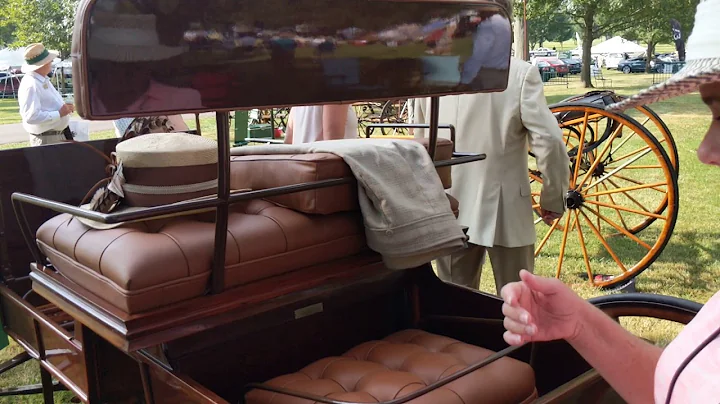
(407, 361)
(144, 265)
(261, 172)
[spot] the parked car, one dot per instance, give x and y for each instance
(542, 52)
(636, 65)
(611, 60)
(547, 71)
(560, 67)
(574, 65)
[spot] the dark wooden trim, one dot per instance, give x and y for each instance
(133, 332)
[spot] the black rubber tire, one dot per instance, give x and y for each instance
(647, 305)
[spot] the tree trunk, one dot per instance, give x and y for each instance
(648, 55)
(519, 33)
(587, 40)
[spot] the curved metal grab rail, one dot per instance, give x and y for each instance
(220, 202)
(434, 386)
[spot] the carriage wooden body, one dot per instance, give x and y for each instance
(214, 347)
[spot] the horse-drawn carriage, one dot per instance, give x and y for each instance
(265, 289)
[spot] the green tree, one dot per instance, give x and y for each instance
(546, 25)
(560, 28)
(7, 34)
(595, 18)
(46, 21)
(657, 29)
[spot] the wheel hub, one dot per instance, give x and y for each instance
(573, 200)
(599, 170)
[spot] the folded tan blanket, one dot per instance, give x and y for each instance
(407, 216)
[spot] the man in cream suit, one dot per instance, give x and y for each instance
(494, 194)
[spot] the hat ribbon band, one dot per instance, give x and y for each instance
(170, 190)
(38, 58)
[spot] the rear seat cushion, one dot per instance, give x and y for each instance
(261, 172)
(407, 361)
(145, 265)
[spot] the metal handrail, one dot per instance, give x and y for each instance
(220, 202)
(421, 392)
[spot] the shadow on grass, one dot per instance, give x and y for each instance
(689, 262)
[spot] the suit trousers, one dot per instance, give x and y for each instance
(464, 268)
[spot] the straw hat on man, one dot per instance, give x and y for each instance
(45, 116)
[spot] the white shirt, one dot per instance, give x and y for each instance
(308, 124)
(39, 105)
(491, 42)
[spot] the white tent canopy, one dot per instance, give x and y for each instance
(617, 45)
(13, 58)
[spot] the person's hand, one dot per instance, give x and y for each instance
(66, 109)
(549, 217)
(540, 309)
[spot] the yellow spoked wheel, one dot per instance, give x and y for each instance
(620, 175)
(647, 118)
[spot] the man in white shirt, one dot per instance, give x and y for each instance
(45, 116)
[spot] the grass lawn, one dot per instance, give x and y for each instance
(9, 111)
(689, 267)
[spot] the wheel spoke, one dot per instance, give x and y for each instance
(644, 167)
(629, 196)
(582, 246)
(578, 159)
(547, 236)
(622, 220)
(604, 243)
(608, 142)
(625, 189)
(574, 122)
(562, 245)
(620, 229)
(607, 205)
(616, 169)
(640, 150)
(633, 181)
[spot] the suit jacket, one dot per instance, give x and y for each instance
(494, 194)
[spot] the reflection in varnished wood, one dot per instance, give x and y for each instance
(153, 56)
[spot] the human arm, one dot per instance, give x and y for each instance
(334, 119)
(545, 309)
(31, 112)
(289, 129)
(546, 142)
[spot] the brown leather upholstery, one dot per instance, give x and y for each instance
(261, 172)
(140, 266)
(407, 361)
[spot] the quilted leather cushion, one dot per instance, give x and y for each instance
(405, 362)
(145, 265)
(261, 172)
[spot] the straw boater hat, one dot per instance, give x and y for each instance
(159, 169)
(702, 61)
(127, 38)
(36, 56)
